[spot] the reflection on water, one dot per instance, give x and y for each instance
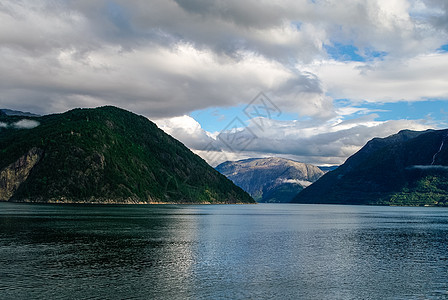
(222, 252)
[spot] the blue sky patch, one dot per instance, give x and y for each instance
(443, 48)
(343, 52)
(435, 112)
(117, 15)
(216, 118)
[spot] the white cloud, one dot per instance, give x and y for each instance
(419, 78)
(26, 124)
(187, 130)
(325, 143)
(303, 183)
(431, 167)
(156, 81)
(167, 58)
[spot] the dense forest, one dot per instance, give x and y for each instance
(106, 155)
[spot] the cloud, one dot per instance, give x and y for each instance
(326, 143)
(435, 11)
(22, 124)
(317, 143)
(25, 124)
(429, 167)
(156, 58)
(168, 58)
(303, 183)
(187, 130)
(157, 81)
(417, 79)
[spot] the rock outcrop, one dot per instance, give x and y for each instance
(16, 173)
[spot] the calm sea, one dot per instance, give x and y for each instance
(223, 252)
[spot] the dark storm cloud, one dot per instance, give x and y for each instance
(437, 14)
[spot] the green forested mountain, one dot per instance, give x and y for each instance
(103, 155)
(408, 168)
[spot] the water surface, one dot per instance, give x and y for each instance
(265, 251)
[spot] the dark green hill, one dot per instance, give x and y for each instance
(104, 155)
(409, 168)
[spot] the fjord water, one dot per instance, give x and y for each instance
(223, 252)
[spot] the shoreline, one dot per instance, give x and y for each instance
(113, 202)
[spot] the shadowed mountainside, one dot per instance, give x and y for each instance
(408, 168)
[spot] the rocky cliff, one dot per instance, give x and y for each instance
(16, 173)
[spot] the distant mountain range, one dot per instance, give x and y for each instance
(272, 180)
(408, 168)
(103, 155)
(10, 112)
(328, 169)
(108, 155)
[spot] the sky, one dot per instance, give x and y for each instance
(309, 80)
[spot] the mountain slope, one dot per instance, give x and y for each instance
(104, 155)
(10, 112)
(408, 168)
(270, 179)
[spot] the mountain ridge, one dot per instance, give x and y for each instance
(11, 112)
(402, 169)
(104, 155)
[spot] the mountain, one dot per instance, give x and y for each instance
(408, 168)
(104, 155)
(270, 179)
(10, 112)
(328, 169)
